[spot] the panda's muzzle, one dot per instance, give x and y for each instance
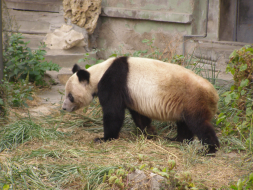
(69, 110)
(69, 106)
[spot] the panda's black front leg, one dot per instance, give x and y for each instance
(113, 120)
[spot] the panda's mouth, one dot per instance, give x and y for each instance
(73, 109)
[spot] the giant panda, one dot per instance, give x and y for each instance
(149, 89)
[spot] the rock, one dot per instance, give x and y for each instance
(64, 38)
(83, 13)
(139, 180)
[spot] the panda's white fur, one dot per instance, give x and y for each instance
(158, 90)
(161, 90)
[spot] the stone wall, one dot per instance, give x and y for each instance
(124, 24)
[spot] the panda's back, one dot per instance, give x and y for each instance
(162, 90)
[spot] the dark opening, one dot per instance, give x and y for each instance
(236, 21)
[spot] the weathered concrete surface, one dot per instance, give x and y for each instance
(126, 35)
(40, 5)
(67, 58)
(214, 54)
(147, 15)
(124, 24)
(183, 6)
(32, 22)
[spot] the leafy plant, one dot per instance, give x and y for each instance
(87, 59)
(20, 61)
(247, 183)
(16, 94)
(236, 117)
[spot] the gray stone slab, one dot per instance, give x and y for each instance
(67, 58)
(35, 5)
(60, 77)
(34, 27)
(54, 95)
(34, 40)
(163, 16)
(55, 20)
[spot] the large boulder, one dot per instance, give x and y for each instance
(64, 38)
(83, 13)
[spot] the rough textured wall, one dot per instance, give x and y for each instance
(124, 24)
(213, 19)
(126, 35)
(183, 6)
(83, 13)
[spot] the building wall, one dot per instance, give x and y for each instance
(123, 24)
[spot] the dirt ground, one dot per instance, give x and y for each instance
(209, 172)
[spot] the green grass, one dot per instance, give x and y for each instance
(23, 130)
(36, 155)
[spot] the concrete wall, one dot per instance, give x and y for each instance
(125, 23)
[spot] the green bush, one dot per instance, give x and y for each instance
(22, 66)
(20, 61)
(16, 94)
(236, 115)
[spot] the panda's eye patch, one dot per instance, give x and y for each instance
(71, 98)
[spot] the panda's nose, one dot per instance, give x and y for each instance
(64, 108)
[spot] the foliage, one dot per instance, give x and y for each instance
(247, 183)
(236, 115)
(22, 66)
(87, 59)
(16, 94)
(20, 61)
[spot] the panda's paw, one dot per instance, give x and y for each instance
(99, 140)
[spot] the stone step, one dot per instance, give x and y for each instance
(67, 58)
(32, 22)
(33, 27)
(212, 51)
(35, 40)
(60, 77)
(35, 5)
(63, 75)
(209, 54)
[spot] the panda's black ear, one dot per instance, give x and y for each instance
(76, 68)
(83, 75)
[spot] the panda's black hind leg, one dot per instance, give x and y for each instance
(183, 132)
(143, 123)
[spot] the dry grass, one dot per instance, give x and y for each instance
(77, 149)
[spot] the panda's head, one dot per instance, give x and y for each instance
(77, 90)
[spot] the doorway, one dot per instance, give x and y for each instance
(236, 21)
